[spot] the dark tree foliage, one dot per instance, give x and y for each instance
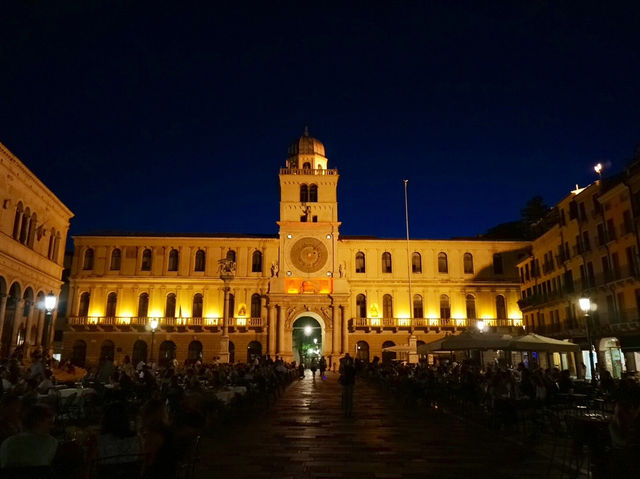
(534, 210)
(535, 219)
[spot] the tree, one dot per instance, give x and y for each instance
(534, 211)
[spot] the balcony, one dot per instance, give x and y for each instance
(429, 324)
(308, 171)
(112, 323)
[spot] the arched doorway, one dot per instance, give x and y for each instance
(307, 337)
(79, 353)
(254, 351)
(139, 352)
(167, 353)
(388, 356)
(13, 299)
(362, 351)
(195, 351)
(232, 352)
(107, 350)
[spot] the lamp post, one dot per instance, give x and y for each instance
(50, 301)
(585, 306)
(227, 270)
(153, 324)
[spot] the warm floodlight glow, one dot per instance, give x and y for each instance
(585, 304)
(50, 302)
(308, 330)
(481, 325)
(153, 324)
(598, 168)
(315, 340)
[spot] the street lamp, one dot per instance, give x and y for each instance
(598, 170)
(308, 330)
(481, 325)
(153, 324)
(585, 306)
(50, 301)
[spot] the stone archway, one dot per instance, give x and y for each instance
(295, 333)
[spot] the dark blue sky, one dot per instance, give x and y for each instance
(151, 116)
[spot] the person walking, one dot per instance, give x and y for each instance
(314, 367)
(322, 366)
(347, 380)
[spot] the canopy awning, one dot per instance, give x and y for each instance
(535, 342)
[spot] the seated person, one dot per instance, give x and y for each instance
(117, 437)
(35, 447)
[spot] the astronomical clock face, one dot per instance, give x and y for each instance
(309, 255)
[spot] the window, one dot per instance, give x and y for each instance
(146, 260)
(586, 243)
(83, 308)
(170, 306)
(387, 306)
(17, 221)
(418, 310)
(231, 255)
(443, 266)
(360, 264)
(361, 305)
(174, 260)
(88, 260)
(501, 308)
(116, 259)
(32, 230)
(143, 305)
(497, 264)
(611, 230)
(313, 193)
(416, 263)
(306, 165)
(471, 306)
(200, 261)
(196, 310)
(255, 305)
(468, 263)
(600, 234)
(24, 226)
(256, 262)
(112, 302)
(51, 240)
(304, 193)
(386, 262)
(445, 307)
(56, 246)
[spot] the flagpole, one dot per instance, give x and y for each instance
(409, 263)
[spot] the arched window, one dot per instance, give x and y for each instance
(416, 263)
(468, 263)
(443, 265)
(83, 306)
(17, 221)
(107, 350)
(445, 307)
(112, 302)
(139, 352)
(386, 262)
(497, 264)
(360, 263)
(418, 309)
(88, 260)
(361, 305)
(313, 193)
(32, 230)
(170, 307)
(79, 353)
(143, 305)
(200, 260)
(52, 238)
(501, 307)
(304, 193)
(254, 351)
(471, 306)
(167, 352)
(146, 260)
(56, 246)
(196, 311)
(362, 351)
(232, 305)
(174, 260)
(388, 356)
(25, 225)
(255, 305)
(195, 351)
(231, 255)
(387, 306)
(116, 259)
(306, 165)
(256, 262)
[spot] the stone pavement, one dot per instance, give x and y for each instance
(304, 435)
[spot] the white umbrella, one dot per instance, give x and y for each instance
(400, 348)
(535, 342)
(475, 340)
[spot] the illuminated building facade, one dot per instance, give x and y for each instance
(33, 231)
(354, 289)
(590, 250)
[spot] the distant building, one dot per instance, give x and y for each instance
(33, 231)
(591, 250)
(353, 290)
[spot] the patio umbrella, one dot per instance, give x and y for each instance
(535, 342)
(431, 347)
(400, 348)
(475, 340)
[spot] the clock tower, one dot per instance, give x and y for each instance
(308, 220)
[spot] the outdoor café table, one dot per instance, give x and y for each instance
(65, 393)
(227, 395)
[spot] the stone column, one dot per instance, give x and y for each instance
(281, 319)
(224, 340)
(27, 328)
(345, 328)
(271, 340)
(3, 308)
(17, 321)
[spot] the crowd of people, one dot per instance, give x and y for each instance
(121, 417)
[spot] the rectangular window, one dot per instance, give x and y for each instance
(601, 239)
(611, 309)
(497, 264)
(631, 266)
(586, 243)
(621, 309)
(578, 245)
(611, 230)
(627, 222)
(583, 212)
(590, 274)
(615, 265)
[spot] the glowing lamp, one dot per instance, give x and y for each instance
(153, 324)
(308, 330)
(598, 168)
(50, 302)
(481, 325)
(585, 304)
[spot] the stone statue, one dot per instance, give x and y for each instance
(274, 269)
(227, 267)
(340, 270)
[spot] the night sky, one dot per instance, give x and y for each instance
(151, 116)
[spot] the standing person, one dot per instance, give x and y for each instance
(323, 366)
(301, 370)
(314, 367)
(347, 380)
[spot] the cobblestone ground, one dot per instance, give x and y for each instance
(304, 435)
